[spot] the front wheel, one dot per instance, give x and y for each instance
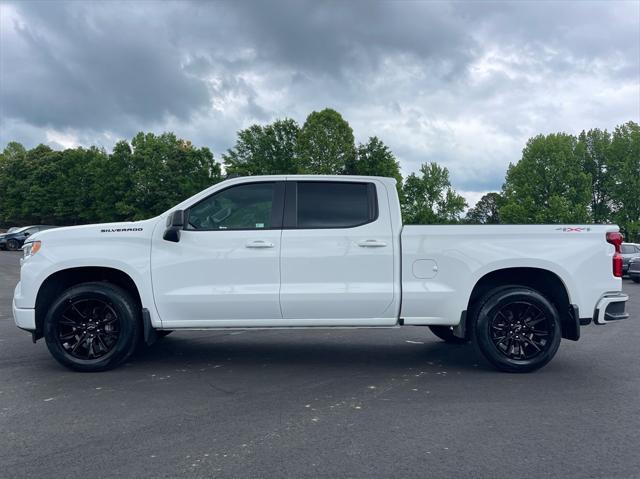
(13, 245)
(636, 279)
(517, 329)
(92, 327)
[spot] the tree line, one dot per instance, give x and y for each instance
(560, 178)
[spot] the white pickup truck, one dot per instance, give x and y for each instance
(314, 252)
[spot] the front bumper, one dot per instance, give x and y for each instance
(611, 307)
(24, 318)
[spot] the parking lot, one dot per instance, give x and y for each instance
(343, 403)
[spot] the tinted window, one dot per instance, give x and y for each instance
(334, 204)
(245, 207)
(628, 249)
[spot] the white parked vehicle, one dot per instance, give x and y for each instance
(312, 252)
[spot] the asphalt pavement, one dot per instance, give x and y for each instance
(340, 403)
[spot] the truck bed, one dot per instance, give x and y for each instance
(441, 264)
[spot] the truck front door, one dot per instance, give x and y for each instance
(226, 267)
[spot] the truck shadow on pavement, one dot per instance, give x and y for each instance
(252, 350)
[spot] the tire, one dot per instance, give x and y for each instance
(13, 245)
(636, 279)
(517, 329)
(446, 334)
(93, 327)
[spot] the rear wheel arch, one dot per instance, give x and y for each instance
(58, 282)
(546, 282)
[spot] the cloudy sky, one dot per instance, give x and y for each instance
(464, 84)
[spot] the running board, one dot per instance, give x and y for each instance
(269, 328)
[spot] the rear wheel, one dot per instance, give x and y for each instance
(636, 279)
(92, 327)
(446, 334)
(13, 245)
(517, 329)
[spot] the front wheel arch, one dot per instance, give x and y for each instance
(56, 283)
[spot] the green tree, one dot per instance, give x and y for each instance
(264, 150)
(112, 177)
(624, 164)
(548, 184)
(165, 170)
(374, 158)
(32, 188)
(487, 210)
(14, 177)
(325, 144)
(430, 199)
(592, 151)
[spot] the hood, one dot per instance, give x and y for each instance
(103, 231)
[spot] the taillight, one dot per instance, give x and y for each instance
(616, 239)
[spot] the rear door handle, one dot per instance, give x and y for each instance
(259, 244)
(371, 243)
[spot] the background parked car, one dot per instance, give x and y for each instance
(13, 240)
(628, 251)
(634, 269)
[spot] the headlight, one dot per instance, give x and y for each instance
(31, 248)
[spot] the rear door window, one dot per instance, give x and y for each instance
(336, 204)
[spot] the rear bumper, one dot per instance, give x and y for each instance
(611, 307)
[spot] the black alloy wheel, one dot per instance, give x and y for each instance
(516, 328)
(93, 326)
(520, 330)
(89, 328)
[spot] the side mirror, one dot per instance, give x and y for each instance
(27, 233)
(175, 222)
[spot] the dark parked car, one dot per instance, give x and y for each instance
(13, 240)
(629, 250)
(634, 269)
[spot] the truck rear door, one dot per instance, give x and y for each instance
(337, 256)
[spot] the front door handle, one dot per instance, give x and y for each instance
(371, 243)
(259, 244)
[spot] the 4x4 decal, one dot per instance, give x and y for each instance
(573, 230)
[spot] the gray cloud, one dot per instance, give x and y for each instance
(463, 83)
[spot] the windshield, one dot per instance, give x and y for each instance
(15, 229)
